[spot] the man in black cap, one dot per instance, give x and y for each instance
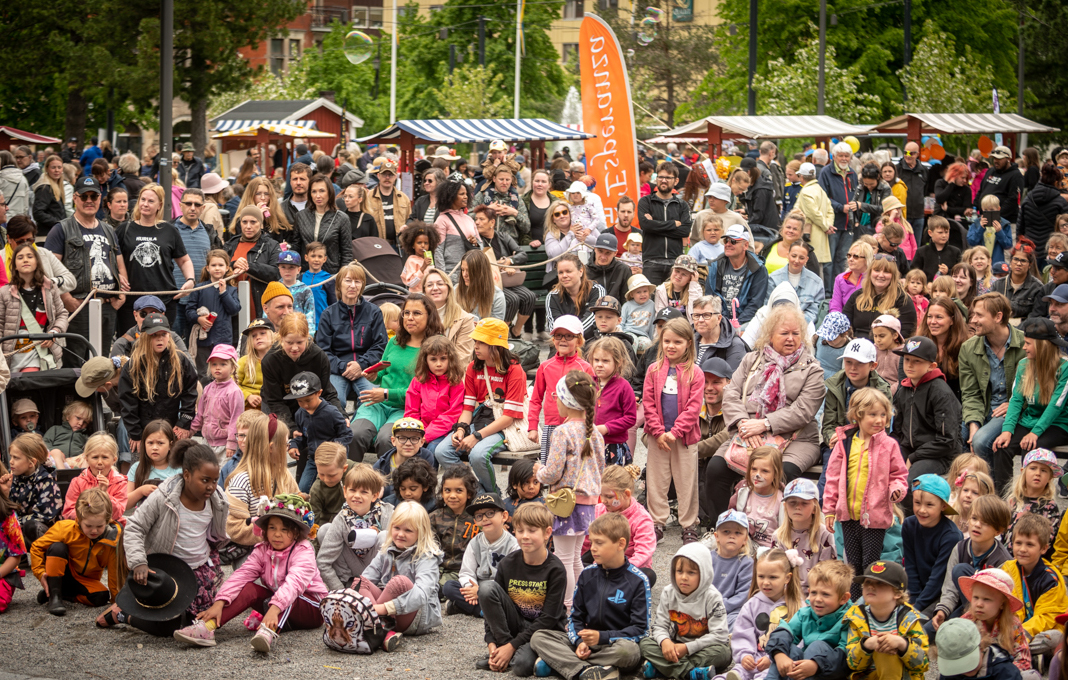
(607, 317)
(90, 250)
(1058, 275)
(190, 168)
(1058, 309)
(928, 425)
(606, 269)
(713, 430)
(69, 154)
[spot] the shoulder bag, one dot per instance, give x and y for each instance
(738, 452)
(515, 435)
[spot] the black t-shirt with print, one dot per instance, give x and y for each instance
(98, 244)
(149, 253)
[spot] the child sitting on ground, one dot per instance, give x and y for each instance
(526, 595)
(101, 453)
(689, 637)
(349, 542)
(993, 608)
(414, 481)
(72, 556)
(928, 538)
(284, 563)
(327, 496)
(481, 557)
(220, 404)
(317, 420)
(454, 527)
(775, 593)
(523, 487)
(886, 639)
(1033, 491)
(1044, 596)
(32, 486)
(408, 442)
(12, 550)
(617, 495)
(244, 423)
(602, 635)
(68, 438)
(803, 528)
(732, 562)
(813, 642)
(980, 550)
(759, 495)
(402, 580)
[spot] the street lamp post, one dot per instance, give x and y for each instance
(166, 94)
(752, 54)
(823, 58)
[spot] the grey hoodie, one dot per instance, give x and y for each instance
(342, 559)
(153, 528)
(423, 572)
(481, 557)
(702, 612)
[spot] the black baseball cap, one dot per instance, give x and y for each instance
(717, 367)
(154, 323)
(890, 573)
(1040, 328)
(484, 501)
(607, 241)
(1060, 262)
(86, 185)
(667, 314)
(303, 384)
(920, 347)
(257, 324)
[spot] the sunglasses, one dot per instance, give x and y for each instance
(885, 257)
(561, 214)
(191, 204)
(728, 239)
(89, 197)
(853, 256)
(26, 239)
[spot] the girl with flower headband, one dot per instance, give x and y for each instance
(774, 592)
(289, 589)
(576, 463)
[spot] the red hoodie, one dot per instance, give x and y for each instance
(549, 374)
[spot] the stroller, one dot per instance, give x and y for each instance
(379, 258)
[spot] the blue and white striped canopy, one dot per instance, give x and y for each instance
(479, 130)
(227, 125)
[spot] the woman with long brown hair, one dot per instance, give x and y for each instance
(247, 172)
(1023, 286)
(1037, 417)
(945, 324)
(28, 306)
(573, 294)
(321, 222)
(49, 195)
(475, 290)
(880, 293)
(538, 202)
(693, 192)
(260, 193)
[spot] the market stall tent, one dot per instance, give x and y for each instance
(11, 137)
(916, 125)
(715, 129)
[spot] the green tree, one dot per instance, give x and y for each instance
(938, 80)
(474, 92)
(1045, 75)
(266, 86)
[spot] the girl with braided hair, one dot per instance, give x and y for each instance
(575, 462)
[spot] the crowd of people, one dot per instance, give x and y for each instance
(816, 317)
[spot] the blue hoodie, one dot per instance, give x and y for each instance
(614, 602)
(754, 288)
(351, 333)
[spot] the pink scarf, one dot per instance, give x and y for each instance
(770, 393)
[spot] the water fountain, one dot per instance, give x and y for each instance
(571, 115)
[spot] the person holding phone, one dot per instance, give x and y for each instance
(990, 229)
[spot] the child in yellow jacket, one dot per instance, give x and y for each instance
(1037, 584)
(886, 638)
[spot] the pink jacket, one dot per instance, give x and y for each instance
(886, 474)
(290, 573)
(544, 393)
(117, 485)
(435, 403)
(217, 413)
(687, 428)
(642, 543)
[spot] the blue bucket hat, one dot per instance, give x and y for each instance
(936, 485)
(834, 324)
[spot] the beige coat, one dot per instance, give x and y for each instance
(11, 315)
(402, 208)
(460, 333)
(805, 391)
(812, 200)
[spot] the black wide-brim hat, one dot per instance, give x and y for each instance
(167, 593)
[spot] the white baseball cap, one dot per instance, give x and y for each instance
(806, 169)
(736, 232)
(569, 323)
(719, 190)
(860, 349)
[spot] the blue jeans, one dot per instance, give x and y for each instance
(917, 227)
(479, 458)
(452, 593)
(308, 477)
(432, 446)
(346, 388)
(983, 441)
(840, 243)
(834, 655)
(181, 326)
(124, 442)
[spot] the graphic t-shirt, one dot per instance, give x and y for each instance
(97, 242)
(35, 302)
(150, 254)
(387, 218)
(733, 280)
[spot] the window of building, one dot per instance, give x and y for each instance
(570, 52)
(294, 48)
(375, 17)
(574, 9)
(370, 17)
(278, 56)
(608, 4)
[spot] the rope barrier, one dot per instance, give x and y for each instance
(533, 265)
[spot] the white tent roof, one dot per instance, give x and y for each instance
(965, 123)
(284, 129)
(771, 127)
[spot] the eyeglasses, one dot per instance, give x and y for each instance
(190, 204)
(664, 177)
(89, 197)
(410, 440)
(853, 256)
(25, 239)
(19, 158)
(1017, 260)
(485, 514)
(3, 204)
(566, 337)
(703, 317)
(241, 436)
(409, 313)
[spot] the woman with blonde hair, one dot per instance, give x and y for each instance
(475, 291)
(49, 195)
(880, 293)
(151, 248)
(563, 232)
(260, 193)
(848, 282)
(458, 322)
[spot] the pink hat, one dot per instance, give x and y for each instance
(223, 352)
(888, 321)
(997, 579)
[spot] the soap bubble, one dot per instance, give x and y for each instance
(654, 13)
(358, 47)
(646, 31)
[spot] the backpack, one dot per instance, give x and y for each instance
(527, 352)
(352, 625)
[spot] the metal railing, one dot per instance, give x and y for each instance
(322, 17)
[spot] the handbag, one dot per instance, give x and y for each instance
(561, 502)
(738, 451)
(515, 435)
(468, 246)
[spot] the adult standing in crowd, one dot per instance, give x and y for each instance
(151, 248)
(606, 269)
(988, 363)
(129, 171)
(537, 203)
(360, 223)
(664, 220)
(867, 200)
(13, 186)
(299, 176)
(1038, 214)
(911, 171)
(776, 390)
(714, 336)
(1003, 180)
(759, 198)
(458, 324)
(624, 225)
(953, 196)
(190, 168)
(199, 240)
(260, 194)
(90, 250)
(456, 229)
(425, 208)
(389, 208)
(352, 334)
(888, 172)
(519, 300)
(814, 204)
(839, 182)
(30, 168)
(573, 295)
(215, 189)
(49, 194)
(719, 198)
(738, 277)
(383, 404)
(880, 293)
(253, 255)
(1037, 417)
(321, 221)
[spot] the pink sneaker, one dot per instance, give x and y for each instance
(263, 639)
(196, 634)
(392, 641)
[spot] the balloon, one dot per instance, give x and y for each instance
(938, 152)
(358, 47)
(933, 141)
(853, 143)
(923, 139)
(834, 140)
(925, 154)
(986, 145)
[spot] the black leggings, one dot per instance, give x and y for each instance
(518, 300)
(862, 547)
(1006, 456)
(720, 481)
